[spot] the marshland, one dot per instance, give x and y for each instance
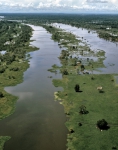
(73, 63)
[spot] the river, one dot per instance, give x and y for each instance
(38, 122)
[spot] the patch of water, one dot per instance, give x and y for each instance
(116, 79)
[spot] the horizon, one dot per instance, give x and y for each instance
(79, 13)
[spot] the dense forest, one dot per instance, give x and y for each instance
(13, 39)
(105, 25)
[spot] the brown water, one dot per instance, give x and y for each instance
(96, 43)
(38, 122)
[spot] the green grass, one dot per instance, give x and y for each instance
(99, 105)
(3, 140)
(7, 103)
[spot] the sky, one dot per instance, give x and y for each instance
(59, 6)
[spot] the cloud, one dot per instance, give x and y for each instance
(96, 1)
(58, 5)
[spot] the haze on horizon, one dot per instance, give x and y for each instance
(59, 6)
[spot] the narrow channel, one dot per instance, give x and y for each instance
(38, 122)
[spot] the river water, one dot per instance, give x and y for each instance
(96, 43)
(38, 122)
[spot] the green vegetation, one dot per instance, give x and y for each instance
(98, 105)
(88, 99)
(105, 25)
(3, 140)
(15, 40)
(102, 124)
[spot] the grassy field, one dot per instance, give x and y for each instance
(99, 104)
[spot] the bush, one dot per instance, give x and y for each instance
(2, 70)
(1, 95)
(77, 88)
(83, 110)
(14, 69)
(65, 72)
(102, 124)
(82, 67)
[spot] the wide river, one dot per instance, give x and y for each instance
(38, 122)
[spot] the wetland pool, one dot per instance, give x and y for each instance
(96, 43)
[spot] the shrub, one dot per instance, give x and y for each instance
(83, 110)
(2, 70)
(65, 72)
(102, 124)
(77, 88)
(14, 69)
(1, 95)
(82, 67)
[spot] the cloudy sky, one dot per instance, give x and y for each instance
(95, 6)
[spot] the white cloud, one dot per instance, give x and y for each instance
(58, 5)
(96, 1)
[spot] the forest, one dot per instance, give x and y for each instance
(105, 25)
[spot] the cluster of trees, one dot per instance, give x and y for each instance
(7, 30)
(64, 54)
(14, 39)
(8, 58)
(65, 72)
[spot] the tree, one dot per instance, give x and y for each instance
(77, 88)
(2, 70)
(1, 95)
(65, 72)
(82, 67)
(83, 110)
(102, 124)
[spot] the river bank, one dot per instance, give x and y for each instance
(78, 69)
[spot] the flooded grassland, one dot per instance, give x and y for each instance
(85, 80)
(90, 92)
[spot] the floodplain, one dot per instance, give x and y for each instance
(88, 88)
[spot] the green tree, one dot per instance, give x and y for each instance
(102, 124)
(77, 88)
(1, 95)
(83, 110)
